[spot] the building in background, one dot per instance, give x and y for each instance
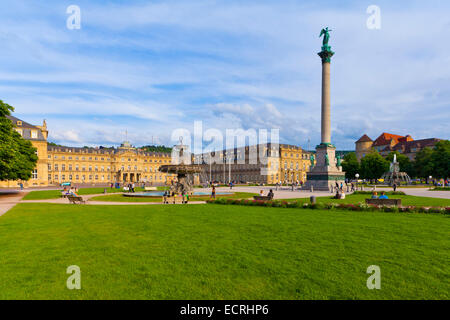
(387, 142)
(58, 164)
(264, 163)
(38, 137)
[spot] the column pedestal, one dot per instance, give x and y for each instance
(325, 173)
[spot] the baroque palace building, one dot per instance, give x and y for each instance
(278, 163)
(58, 164)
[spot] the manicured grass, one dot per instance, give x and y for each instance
(440, 189)
(406, 200)
(55, 194)
(122, 198)
(220, 252)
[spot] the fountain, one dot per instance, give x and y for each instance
(394, 175)
(183, 184)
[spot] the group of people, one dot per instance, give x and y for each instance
(382, 195)
(168, 193)
(270, 194)
(72, 191)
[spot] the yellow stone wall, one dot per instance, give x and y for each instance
(294, 164)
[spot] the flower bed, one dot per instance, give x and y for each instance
(391, 193)
(330, 206)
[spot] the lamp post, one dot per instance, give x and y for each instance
(430, 177)
(356, 183)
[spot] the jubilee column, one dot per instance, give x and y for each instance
(326, 169)
(326, 55)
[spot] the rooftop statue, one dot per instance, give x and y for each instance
(326, 36)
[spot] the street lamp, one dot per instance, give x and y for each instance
(430, 179)
(356, 176)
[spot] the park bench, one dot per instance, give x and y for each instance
(385, 202)
(150, 188)
(75, 199)
(263, 198)
(173, 199)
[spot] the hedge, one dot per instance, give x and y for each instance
(330, 206)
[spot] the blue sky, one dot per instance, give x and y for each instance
(150, 67)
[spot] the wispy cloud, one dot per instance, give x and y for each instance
(149, 68)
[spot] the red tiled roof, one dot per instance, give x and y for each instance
(364, 138)
(407, 146)
(386, 138)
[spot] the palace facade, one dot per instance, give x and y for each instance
(265, 163)
(58, 164)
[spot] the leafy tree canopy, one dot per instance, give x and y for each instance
(17, 155)
(350, 165)
(373, 165)
(156, 149)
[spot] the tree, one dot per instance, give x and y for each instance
(440, 159)
(350, 165)
(423, 163)
(373, 165)
(17, 155)
(404, 162)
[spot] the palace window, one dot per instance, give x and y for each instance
(63, 177)
(96, 168)
(76, 167)
(96, 177)
(49, 177)
(90, 177)
(49, 167)
(56, 167)
(83, 177)
(77, 177)
(90, 158)
(56, 157)
(63, 157)
(90, 169)
(70, 177)
(56, 177)
(34, 134)
(34, 174)
(63, 167)
(70, 167)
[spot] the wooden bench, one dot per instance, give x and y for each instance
(174, 200)
(75, 199)
(149, 188)
(385, 202)
(263, 198)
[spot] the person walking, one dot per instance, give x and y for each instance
(213, 192)
(394, 186)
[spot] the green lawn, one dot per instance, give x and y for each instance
(406, 200)
(121, 198)
(55, 194)
(220, 252)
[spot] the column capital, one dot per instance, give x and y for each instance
(326, 54)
